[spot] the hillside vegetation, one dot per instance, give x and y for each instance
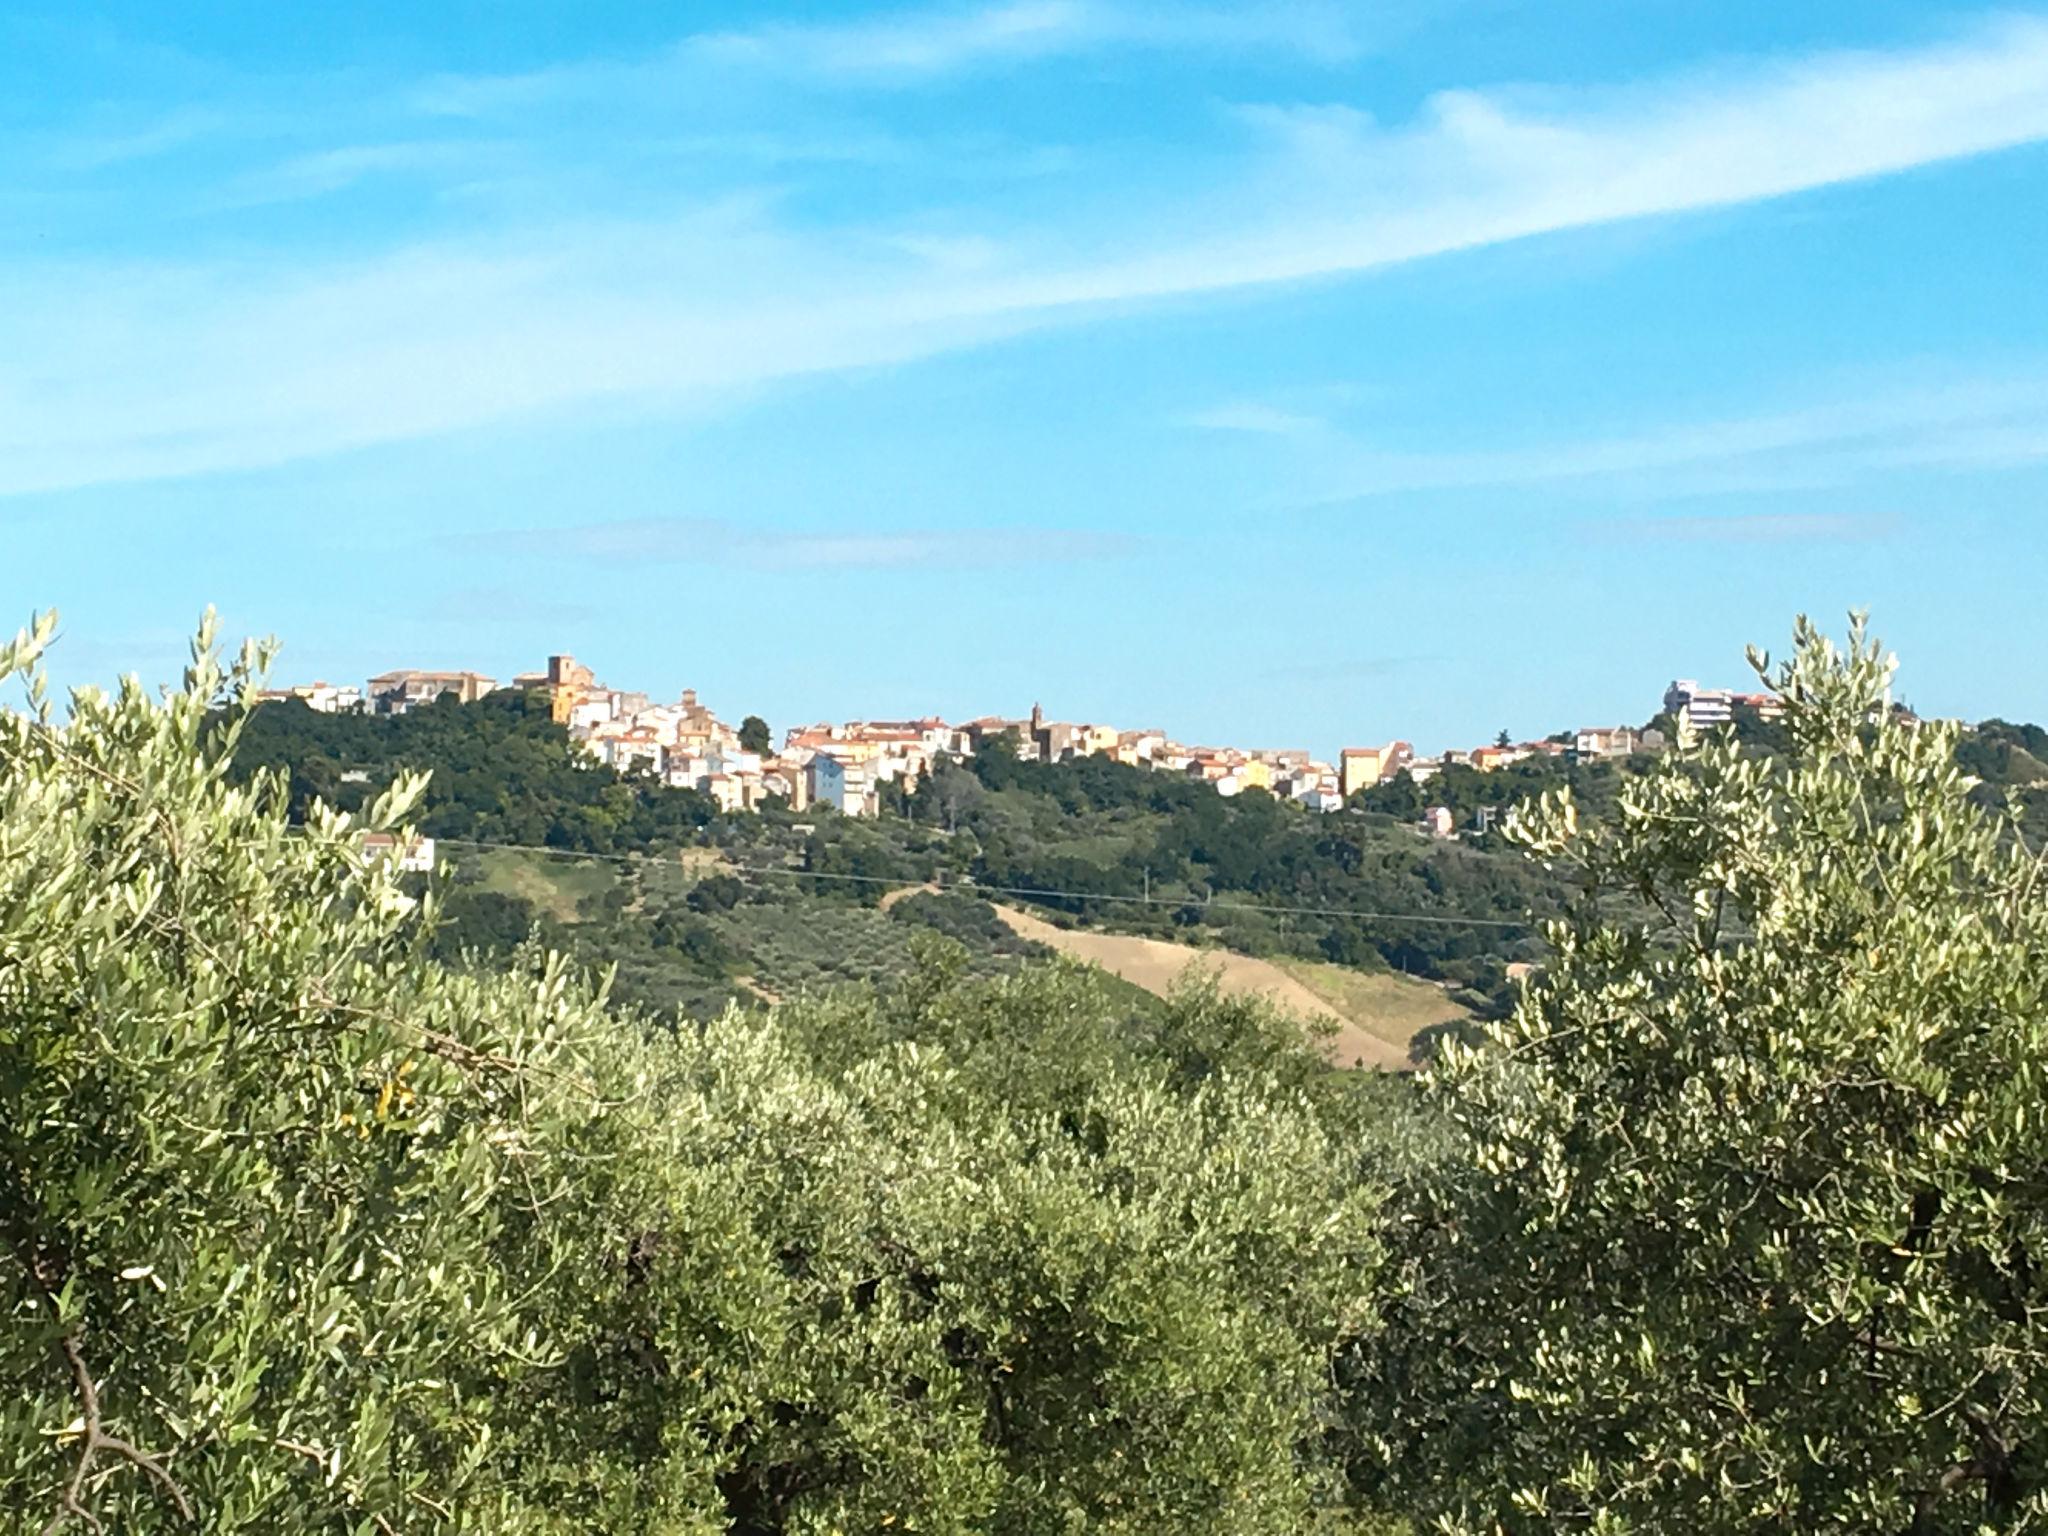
(1734, 1224)
(790, 900)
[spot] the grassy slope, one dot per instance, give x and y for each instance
(1395, 1008)
(554, 885)
(1376, 1015)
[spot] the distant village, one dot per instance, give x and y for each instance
(844, 766)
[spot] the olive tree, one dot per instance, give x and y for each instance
(303, 1231)
(1745, 1221)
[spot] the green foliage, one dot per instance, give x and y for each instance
(1745, 1216)
(963, 917)
(1102, 834)
(304, 1231)
(755, 736)
(501, 771)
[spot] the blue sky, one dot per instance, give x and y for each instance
(1283, 374)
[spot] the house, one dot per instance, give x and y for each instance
(1592, 741)
(394, 693)
(589, 713)
(415, 855)
(726, 790)
(1491, 759)
(989, 727)
(848, 787)
(635, 749)
(1363, 767)
(731, 760)
(1325, 797)
(787, 779)
(1438, 821)
(930, 733)
(1138, 747)
(321, 698)
(1056, 740)
(1255, 774)
(1099, 740)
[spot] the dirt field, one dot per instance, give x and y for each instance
(1376, 1016)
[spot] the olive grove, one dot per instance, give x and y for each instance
(305, 1232)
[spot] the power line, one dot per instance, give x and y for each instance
(967, 882)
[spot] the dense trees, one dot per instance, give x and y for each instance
(1736, 1224)
(1743, 1224)
(301, 1231)
(500, 771)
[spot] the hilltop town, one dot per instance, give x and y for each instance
(843, 766)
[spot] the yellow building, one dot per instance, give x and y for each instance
(1255, 775)
(1363, 767)
(1096, 738)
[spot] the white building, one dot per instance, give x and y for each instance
(1606, 740)
(415, 856)
(1699, 707)
(847, 787)
(321, 698)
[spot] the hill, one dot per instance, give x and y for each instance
(695, 908)
(1371, 1020)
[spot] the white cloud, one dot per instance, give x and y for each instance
(97, 151)
(934, 43)
(115, 372)
(1256, 419)
(1755, 527)
(319, 172)
(1987, 424)
(713, 541)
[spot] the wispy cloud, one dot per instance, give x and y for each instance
(99, 150)
(712, 541)
(933, 43)
(1981, 424)
(125, 372)
(319, 172)
(1256, 419)
(1753, 527)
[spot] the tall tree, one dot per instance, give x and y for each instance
(755, 736)
(1745, 1224)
